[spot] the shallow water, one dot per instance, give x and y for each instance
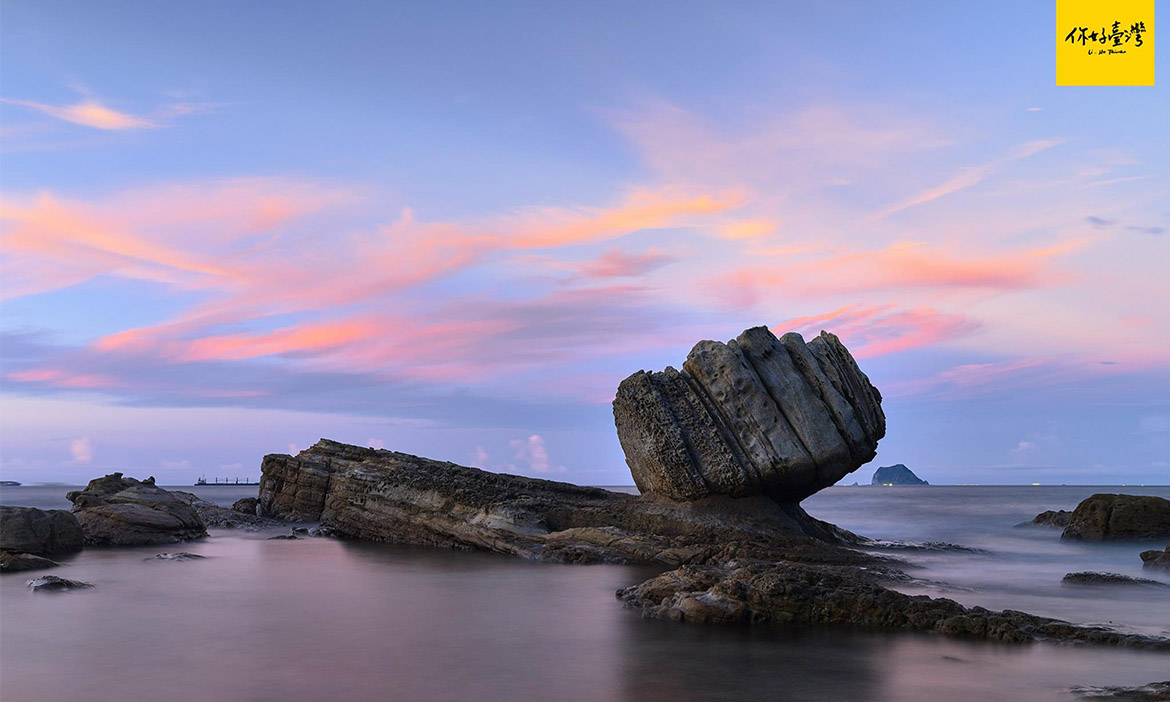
(319, 619)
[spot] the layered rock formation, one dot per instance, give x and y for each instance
(1108, 517)
(118, 511)
(383, 495)
(755, 416)
(897, 474)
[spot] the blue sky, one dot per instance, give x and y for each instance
(452, 228)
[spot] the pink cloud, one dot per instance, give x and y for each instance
(879, 330)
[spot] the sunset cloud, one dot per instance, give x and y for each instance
(879, 330)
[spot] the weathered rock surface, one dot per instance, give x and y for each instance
(755, 416)
(790, 593)
(39, 532)
(11, 562)
(51, 583)
(212, 515)
(382, 495)
(897, 474)
(1107, 517)
(118, 511)
(1156, 559)
(1050, 518)
(1092, 578)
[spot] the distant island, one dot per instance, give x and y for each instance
(896, 474)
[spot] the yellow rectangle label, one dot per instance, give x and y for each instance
(1105, 43)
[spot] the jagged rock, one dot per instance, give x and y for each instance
(39, 532)
(246, 505)
(802, 594)
(897, 474)
(51, 583)
(1107, 517)
(1154, 692)
(118, 511)
(1050, 518)
(757, 415)
(11, 562)
(1156, 559)
(1091, 578)
(213, 515)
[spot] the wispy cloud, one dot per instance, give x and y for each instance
(92, 113)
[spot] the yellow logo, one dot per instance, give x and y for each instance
(1105, 43)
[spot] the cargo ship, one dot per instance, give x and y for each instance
(225, 481)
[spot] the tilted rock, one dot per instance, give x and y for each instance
(382, 495)
(1108, 517)
(118, 511)
(38, 531)
(755, 416)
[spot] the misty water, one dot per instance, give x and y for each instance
(323, 619)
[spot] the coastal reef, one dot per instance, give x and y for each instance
(723, 452)
(754, 416)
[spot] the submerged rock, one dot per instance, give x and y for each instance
(1156, 559)
(897, 474)
(178, 556)
(755, 416)
(40, 532)
(119, 511)
(1050, 518)
(1091, 578)
(288, 537)
(794, 593)
(1108, 517)
(1154, 692)
(11, 562)
(51, 583)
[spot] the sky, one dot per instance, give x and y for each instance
(452, 228)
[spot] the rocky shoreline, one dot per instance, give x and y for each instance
(723, 452)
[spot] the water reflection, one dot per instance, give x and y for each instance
(317, 619)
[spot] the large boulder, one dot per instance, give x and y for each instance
(755, 416)
(118, 511)
(1108, 517)
(38, 531)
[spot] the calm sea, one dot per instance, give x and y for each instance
(319, 619)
